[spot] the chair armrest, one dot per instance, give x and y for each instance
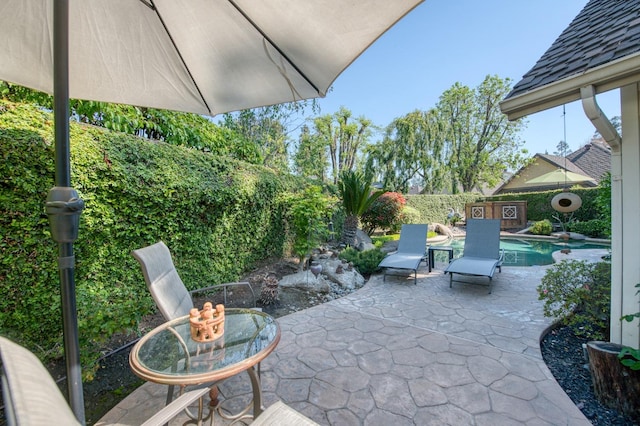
(176, 406)
(224, 289)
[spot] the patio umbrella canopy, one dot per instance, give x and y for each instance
(200, 56)
(559, 176)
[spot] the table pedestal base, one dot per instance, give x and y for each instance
(250, 412)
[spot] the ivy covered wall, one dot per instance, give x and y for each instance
(218, 217)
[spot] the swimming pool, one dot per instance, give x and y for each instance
(522, 252)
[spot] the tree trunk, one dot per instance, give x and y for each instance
(349, 229)
(614, 384)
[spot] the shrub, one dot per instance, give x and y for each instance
(603, 202)
(629, 356)
(307, 218)
(366, 262)
(410, 215)
(384, 213)
(454, 218)
(578, 294)
(596, 228)
(542, 227)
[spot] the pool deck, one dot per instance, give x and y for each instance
(401, 353)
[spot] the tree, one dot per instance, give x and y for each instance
(269, 129)
(262, 127)
(344, 137)
(481, 143)
(357, 196)
(412, 149)
(310, 159)
(562, 149)
(172, 127)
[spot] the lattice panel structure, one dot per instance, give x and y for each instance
(509, 212)
(477, 212)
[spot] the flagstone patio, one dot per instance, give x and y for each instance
(404, 354)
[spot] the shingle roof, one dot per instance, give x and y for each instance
(562, 164)
(594, 158)
(604, 31)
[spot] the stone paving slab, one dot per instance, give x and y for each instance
(398, 353)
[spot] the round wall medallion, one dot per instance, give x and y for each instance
(566, 202)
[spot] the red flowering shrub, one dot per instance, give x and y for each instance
(385, 213)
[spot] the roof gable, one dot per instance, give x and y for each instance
(561, 163)
(604, 31)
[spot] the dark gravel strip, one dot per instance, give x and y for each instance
(563, 354)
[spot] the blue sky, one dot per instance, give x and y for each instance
(446, 41)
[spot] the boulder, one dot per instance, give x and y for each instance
(348, 278)
(442, 229)
(363, 241)
(334, 273)
(568, 236)
(306, 281)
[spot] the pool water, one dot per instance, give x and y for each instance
(523, 252)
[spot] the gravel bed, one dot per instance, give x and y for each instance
(563, 354)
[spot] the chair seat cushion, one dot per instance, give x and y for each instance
(401, 261)
(280, 414)
(31, 397)
(473, 266)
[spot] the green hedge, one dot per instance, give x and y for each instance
(539, 204)
(218, 217)
(435, 208)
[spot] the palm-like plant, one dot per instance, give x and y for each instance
(357, 195)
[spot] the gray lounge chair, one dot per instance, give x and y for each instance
(412, 249)
(482, 254)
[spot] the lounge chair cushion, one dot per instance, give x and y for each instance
(473, 266)
(280, 414)
(31, 397)
(404, 261)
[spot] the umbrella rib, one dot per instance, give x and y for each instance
(257, 28)
(153, 7)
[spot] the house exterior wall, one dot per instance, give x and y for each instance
(625, 200)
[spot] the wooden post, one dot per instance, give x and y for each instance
(614, 385)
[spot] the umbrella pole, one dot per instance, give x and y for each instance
(64, 207)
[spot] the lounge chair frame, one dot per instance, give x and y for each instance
(412, 250)
(482, 254)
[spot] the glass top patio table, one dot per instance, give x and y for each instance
(169, 355)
